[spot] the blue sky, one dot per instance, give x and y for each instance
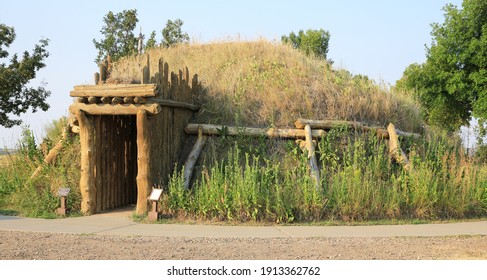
(375, 38)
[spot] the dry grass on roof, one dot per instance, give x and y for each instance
(266, 83)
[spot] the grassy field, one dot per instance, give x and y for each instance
(6, 157)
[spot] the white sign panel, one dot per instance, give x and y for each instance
(155, 194)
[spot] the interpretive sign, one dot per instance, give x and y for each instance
(63, 192)
(155, 194)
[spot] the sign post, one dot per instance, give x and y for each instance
(62, 194)
(154, 198)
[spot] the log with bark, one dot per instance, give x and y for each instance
(87, 178)
(313, 162)
(395, 150)
(143, 165)
(110, 109)
(210, 129)
(329, 124)
(121, 90)
(193, 158)
(51, 156)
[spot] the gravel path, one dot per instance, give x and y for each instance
(54, 246)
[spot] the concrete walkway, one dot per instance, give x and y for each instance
(120, 223)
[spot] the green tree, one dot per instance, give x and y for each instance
(119, 38)
(151, 42)
(310, 42)
(15, 96)
(451, 84)
(172, 34)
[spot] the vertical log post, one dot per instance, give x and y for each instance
(395, 150)
(62, 209)
(103, 72)
(146, 72)
(313, 163)
(98, 163)
(153, 214)
(87, 179)
(193, 158)
(143, 157)
(96, 77)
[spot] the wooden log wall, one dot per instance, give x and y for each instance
(167, 139)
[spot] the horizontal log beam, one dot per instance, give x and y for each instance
(109, 109)
(120, 90)
(329, 124)
(138, 101)
(210, 129)
(175, 104)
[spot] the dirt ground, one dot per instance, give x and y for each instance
(16, 245)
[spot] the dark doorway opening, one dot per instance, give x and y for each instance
(116, 161)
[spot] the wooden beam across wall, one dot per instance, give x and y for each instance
(118, 90)
(118, 109)
(329, 124)
(174, 104)
(210, 129)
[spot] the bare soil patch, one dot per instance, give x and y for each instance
(52, 246)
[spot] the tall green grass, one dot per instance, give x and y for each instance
(358, 182)
(36, 197)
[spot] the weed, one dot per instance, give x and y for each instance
(358, 183)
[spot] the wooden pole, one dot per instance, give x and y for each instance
(128, 100)
(103, 72)
(329, 124)
(98, 163)
(313, 163)
(82, 99)
(209, 129)
(140, 100)
(96, 77)
(395, 150)
(118, 109)
(93, 100)
(117, 100)
(146, 72)
(120, 90)
(143, 157)
(87, 179)
(175, 104)
(51, 156)
(106, 100)
(106, 162)
(193, 158)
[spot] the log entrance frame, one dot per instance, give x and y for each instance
(131, 135)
